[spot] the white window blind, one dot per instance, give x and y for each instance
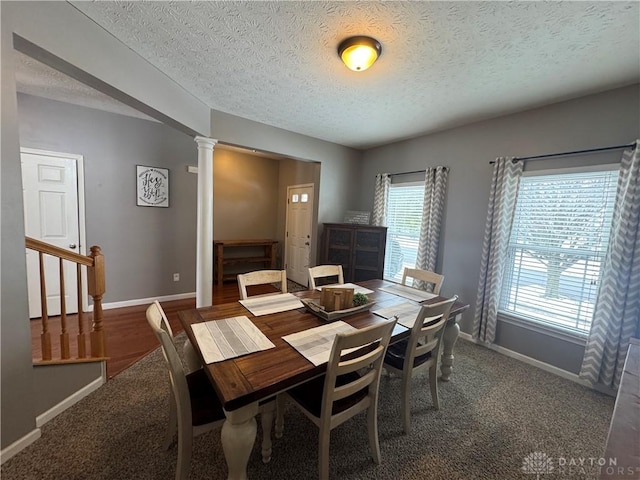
(404, 216)
(558, 242)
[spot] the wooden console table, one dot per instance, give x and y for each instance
(244, 252)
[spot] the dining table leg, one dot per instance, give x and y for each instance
(238, 436)
(449, 338)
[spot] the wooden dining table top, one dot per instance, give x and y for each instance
(242, 380)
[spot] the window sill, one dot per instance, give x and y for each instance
(545, 329)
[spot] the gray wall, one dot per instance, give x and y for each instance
(143, 246)
(52, 383)
(336, 172)
(17, 396)
(63, 31)
(91, 51)
(598, 120)
(339, 172)
(609, 118)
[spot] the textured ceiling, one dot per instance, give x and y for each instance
(35, 78)
(443, 64)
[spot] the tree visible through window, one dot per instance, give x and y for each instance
(404, 217)
(558, 242)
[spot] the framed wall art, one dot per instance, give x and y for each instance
(152, 186)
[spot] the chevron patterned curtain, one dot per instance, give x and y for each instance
(381, 195)
(617, 312)
(435, 186)
(502, 204)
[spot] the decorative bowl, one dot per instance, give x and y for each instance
(314, 307)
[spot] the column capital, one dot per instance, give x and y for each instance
(206, 142)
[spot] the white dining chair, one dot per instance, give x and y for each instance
(348, 388)
(324, 271)
(419, 352)
(188, 352)
(194, 405)
(423, 276)
(261, 277)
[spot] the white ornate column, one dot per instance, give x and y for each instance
(204, 246)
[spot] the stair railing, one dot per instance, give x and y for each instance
(94, 264)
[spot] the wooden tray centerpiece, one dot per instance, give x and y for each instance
(337, 302)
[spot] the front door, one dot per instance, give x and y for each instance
(298, 236)
(50, 188)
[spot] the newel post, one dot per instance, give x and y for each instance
(96, 287)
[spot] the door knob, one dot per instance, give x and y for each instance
(73, 245)
(307, 243)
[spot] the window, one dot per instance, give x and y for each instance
(404, 216)
(558, 242)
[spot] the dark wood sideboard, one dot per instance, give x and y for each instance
(358, 248)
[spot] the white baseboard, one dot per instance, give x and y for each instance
(466, 336)
(538, 364)
(69, 401)
(20, 444)
(144, 301)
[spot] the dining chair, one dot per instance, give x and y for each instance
(419, 352)
(261, 277)
(333, 398)
(324, 271)
(188, 352)
(423, 276)
(195, 408)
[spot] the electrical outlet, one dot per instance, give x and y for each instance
(176, 277)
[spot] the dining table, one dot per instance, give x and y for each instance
(244, 381)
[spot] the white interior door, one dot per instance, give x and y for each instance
(298, 236)
(50, 188)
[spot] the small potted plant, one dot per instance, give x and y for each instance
(360, 299)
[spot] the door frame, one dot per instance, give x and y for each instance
(286, 222)
(79, 159)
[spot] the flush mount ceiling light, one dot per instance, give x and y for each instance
(359, 53)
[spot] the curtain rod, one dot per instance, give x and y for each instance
(575, 152)
(406, 173)
(412, 172)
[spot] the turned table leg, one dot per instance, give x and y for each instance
(449, 338)
(238, 436)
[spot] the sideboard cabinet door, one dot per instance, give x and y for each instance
(358, 248)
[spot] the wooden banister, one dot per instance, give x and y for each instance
(43, 247)
(94, 264)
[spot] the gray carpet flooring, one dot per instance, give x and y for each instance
(494, 413)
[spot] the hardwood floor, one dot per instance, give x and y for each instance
(129, 337)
